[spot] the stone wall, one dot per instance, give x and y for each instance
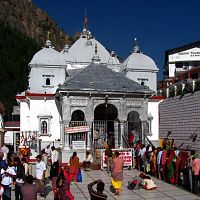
(181, 116)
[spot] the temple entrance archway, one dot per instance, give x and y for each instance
(134, 127)
(78, 115)
(105, 116)
(77, 120)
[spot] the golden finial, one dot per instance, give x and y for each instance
(48, 35)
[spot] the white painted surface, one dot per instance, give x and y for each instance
(30, 113)
(141, 68)
(153, 110)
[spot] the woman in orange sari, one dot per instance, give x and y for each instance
(74, 167)
(153, 161)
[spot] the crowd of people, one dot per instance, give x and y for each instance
(15, 174)
(169, 164)
(166, 163)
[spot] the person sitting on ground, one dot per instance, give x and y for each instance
(89, 159)
(148, 183)
(136, 183)
(97, 195)
(30, 191)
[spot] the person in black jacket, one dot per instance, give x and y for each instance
(20, 178)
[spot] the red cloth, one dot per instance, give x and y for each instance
(164, 157)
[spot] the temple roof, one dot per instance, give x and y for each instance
(98, 78)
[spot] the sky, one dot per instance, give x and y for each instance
(158, 25)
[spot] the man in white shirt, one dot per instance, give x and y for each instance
(40, 172)
(5, 151)
(54, 161)
(7, 175)
(54, 155)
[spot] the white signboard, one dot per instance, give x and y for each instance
(126, 154)
(77, 129)
(78, 145)
(191, 54)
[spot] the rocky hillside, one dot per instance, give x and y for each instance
(34, 22)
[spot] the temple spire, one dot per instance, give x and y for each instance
(86, 21)
(136, 48)
(48, 35)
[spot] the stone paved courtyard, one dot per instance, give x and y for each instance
(164, 191)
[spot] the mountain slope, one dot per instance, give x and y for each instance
(34, 22)
(16, 51)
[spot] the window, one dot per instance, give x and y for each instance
(143, 81)
(48, 80)
(44, 127)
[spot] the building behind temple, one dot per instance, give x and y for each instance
(86, 86)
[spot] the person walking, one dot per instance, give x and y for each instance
(20, 178)
(74, 166)
(117, 173)
(30, 191)
(63, 185)
(40, 172)
(54, 160)
(109, 155)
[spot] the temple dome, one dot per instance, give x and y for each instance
(48, 56)
(82, 50)
(139, 61)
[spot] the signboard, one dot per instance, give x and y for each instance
(77, 129)
(126, 154)
(188, 55)
(78, 145)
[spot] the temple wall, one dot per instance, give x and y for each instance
(181, 116)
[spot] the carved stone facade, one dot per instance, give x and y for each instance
(112, 106)
(87, 105)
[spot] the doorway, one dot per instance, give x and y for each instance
(105, 116)
(134, 128)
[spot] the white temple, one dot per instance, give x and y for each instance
(49, 68)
